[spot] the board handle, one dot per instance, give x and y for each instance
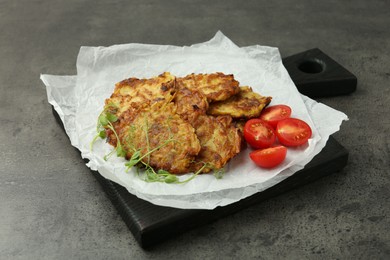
(315, 74)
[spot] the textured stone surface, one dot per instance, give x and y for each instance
(52, 207)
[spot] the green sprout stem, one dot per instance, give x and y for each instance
(93, 142)
(194, 175)
(138, 159)
(118, 147)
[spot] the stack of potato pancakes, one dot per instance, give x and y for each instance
(186, 122)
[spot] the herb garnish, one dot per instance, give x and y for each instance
(105, 120)
(150, 175)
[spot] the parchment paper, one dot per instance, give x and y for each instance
(80, 99)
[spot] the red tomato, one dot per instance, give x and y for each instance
(269, 157)
(293, 132)
(258, 133)
(274, 114)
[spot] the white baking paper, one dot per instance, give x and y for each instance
(79, 100)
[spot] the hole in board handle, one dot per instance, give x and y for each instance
(313, 66)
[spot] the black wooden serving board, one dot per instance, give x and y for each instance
(315, 75)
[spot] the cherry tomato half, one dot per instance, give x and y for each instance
(259, 134)
(274, 114)
(293, 132)
(269, 157)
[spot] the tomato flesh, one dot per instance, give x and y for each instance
(274, 114)
(269, 157)
(259, 134)
(293, 132)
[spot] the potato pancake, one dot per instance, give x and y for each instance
(181, 124)
(134, 94)
(246, 104)
(159, 129)
(215, 86)
(220, 141)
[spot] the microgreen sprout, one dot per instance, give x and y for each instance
(150, 175)
(105, 121)
(219, 173)
(136, 157)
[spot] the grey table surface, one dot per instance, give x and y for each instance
(51, 207)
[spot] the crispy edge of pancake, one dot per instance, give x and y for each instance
(245, 104)
(215, 86)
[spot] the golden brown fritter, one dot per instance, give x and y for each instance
(219, 139)
(215, 86)
(135, 94)
(246, 104)
(159, 129)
